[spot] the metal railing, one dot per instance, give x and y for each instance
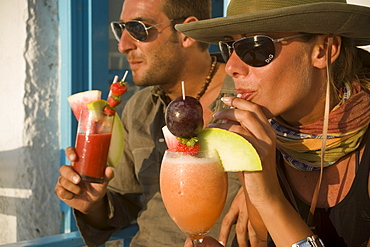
(74, 239)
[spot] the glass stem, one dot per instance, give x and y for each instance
(197, 242)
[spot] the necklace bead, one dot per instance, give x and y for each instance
(208, 78)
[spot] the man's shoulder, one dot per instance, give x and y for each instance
(141, 94)
(142, 102)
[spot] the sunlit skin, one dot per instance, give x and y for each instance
(150, 61)
(167, 57)
(270, 81)
(283, 87)
(156, 62)
(297, 95)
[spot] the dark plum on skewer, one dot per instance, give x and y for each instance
(184, 117)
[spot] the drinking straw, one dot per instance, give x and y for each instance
(124, 76)
(115, 79)
(183, 89)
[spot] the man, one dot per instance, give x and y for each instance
(160, 58)
(305, 107)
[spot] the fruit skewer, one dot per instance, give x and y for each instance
(184, 119)
(184, 133)
(117, 89)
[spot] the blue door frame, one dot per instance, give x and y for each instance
(84, 66)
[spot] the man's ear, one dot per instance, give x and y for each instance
(187, 41)
(319, 52)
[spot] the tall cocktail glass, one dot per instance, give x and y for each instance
(194, 189)
(92, 145)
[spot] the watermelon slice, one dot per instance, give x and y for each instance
(79, 101)
(170, 138)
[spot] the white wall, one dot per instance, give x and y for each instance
(29, 146)
(359, 2)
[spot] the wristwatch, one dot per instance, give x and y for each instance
(313, 241)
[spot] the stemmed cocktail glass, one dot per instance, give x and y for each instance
(194, 189)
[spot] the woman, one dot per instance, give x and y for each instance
(305, 106)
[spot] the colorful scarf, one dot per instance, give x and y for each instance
(348, 122)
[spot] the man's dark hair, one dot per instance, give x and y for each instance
(201, 9)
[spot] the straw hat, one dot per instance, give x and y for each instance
(266, 16)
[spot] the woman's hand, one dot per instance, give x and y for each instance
(248, 120)
(268, 208)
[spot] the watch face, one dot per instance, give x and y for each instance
(313, 241)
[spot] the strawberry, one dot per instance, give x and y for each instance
(190, 146)
(109, 111)
(118, 88)
(114, 101)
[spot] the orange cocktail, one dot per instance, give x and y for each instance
(194, 190)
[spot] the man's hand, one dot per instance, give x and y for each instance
(238, 213)
(82, 196)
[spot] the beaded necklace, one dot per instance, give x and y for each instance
(208, 78)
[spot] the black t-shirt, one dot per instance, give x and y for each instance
(348, 222)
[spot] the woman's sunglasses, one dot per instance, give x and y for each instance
(256, 51)
(136, 29)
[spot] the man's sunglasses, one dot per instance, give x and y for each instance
(256, 51)
(136, 29)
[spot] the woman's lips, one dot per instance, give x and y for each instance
(245, 95)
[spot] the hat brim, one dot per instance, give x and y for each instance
(343, 19)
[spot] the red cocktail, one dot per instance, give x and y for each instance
(92, 145)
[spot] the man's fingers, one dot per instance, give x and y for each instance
(61, 189)
(188, 243)
(63, 194)
(109, 174)
(71, 153)
(68, 173)
(227, 223)
(65, 187)
(235, 214)
(242, 233)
